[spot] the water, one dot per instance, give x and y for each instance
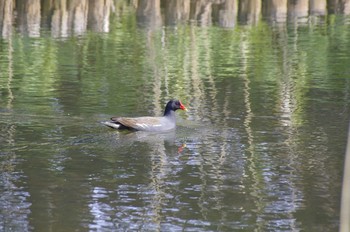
(260, 148)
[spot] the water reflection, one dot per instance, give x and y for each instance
(260, 147)
(14, 201)
(65, 18)
(135, 199)
(144, 202)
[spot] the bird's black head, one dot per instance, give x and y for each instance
(173, 105)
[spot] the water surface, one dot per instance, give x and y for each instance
(260, 148)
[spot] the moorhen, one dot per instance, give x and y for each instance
(165, 123)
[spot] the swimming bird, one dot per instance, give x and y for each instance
(165, 123)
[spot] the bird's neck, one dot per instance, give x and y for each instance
(169, 113)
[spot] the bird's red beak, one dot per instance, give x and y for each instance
(183, 107)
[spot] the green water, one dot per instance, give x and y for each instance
(260, 148)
